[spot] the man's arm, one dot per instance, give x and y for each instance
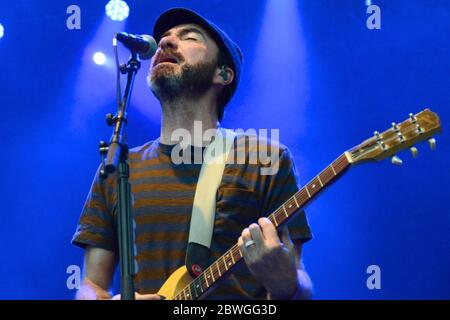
(99, 266)
(304, 281)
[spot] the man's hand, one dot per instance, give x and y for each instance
(139, 296)
(268, 259)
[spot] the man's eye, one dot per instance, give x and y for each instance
(190, 38)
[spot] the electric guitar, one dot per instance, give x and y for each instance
(419, 127)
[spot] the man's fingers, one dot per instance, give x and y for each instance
(148, 296)
(246, 235)
(256, 234)
(139, 296)
(268, 229)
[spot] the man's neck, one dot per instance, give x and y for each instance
(184, 114)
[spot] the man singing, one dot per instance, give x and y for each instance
(194, 74)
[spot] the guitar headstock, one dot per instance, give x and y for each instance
(417, 128)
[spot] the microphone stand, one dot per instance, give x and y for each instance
(116, 160)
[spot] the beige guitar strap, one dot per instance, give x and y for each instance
(204, 208)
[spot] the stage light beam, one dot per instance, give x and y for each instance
(279, 68)
(2, 31)
(99, 58)
(117, 10)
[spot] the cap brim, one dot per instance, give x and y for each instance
(177, 16)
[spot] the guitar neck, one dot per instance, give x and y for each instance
(285, 212)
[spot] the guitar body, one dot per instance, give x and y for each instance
(176, 282)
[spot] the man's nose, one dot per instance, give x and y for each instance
(168, 42)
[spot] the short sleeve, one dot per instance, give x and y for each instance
(278, 188)
(96, 225)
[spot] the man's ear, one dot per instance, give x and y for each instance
(224, 75)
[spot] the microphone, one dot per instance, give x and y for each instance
(144, 45)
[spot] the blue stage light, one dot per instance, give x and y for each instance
(2, 31)
(368, 2)
(117, 10)
(99, 58)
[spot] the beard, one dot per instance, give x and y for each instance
(190, 82)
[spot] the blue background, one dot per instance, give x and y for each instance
(312, 70)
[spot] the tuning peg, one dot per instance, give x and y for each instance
(414, 121)
(432, 143)
(395, 126)
(397, 131)
(396, 160)
(377, 135)
(379, 141)
(414, 152)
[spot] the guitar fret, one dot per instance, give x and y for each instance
(296, 203)
(307, 191)
(232, 258)
(315, 186)
(206, 278)
(285, 212)
(275, 219)
(320, 181)
(218, 269)
(225, 263)
(228, 259)
(332, 168)
(224, 268)
(201, 284)
(212, 273)
(190, 293)
(196, 295)
(195, 289)
(233, 252)
(238, 253)
(329, 175)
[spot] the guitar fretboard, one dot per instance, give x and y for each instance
(229, 259)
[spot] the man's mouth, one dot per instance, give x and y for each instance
(166, 59)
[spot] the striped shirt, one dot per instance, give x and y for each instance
(162, 199)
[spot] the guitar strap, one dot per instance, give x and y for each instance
(204, 207)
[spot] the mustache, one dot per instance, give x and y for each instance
(160, 55)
